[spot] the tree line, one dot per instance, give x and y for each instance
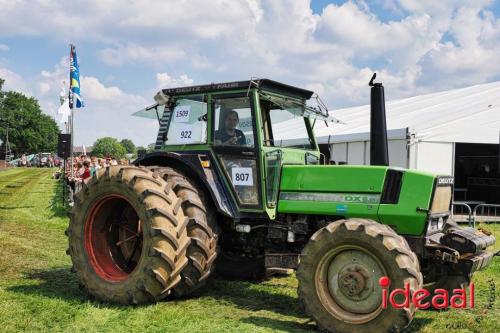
(108, 146)
(32, 131)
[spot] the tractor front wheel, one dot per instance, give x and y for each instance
(339, 273)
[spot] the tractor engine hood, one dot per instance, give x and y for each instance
(399, 198)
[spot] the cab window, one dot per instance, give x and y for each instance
(285, 126)
(233, 122)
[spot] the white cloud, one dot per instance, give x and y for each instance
(429, 45)
(4, 47)
(442, 7)
(14, 81)
(136, 53)
(43, 88)
(471, 56)
(166, 81)
(107, 110)
(95, 90)
(50, 83)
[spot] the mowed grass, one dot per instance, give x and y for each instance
(38, 293)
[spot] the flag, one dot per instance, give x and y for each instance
(74, 78)
(64, 111)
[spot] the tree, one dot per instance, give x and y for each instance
(107, 146)
(128, 145)
(151, 148)
(30, 130)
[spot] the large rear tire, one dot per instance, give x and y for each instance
(127, 236)
(202, 230)
(339, 273)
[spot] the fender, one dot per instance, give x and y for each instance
(190, 165)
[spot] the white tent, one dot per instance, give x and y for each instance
(422, 130)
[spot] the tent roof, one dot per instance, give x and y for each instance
(470, 114)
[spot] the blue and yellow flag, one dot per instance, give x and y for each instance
(74, 78)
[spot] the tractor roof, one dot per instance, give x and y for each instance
(264, 84)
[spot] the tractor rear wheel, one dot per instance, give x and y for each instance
(339, 273)
(202, 230)
(127, 236)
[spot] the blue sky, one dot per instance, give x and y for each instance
(128, 50)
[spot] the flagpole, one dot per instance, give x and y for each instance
(74, 95)
(72, 105)
(72, 133)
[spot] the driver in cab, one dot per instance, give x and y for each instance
(230, 135)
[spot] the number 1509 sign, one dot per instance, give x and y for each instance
(181, 113)
(242, 176)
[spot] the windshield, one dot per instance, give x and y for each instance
(186, 123)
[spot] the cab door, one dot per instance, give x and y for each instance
(287, 138)
(235, 145)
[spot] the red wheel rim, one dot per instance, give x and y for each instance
(113, 237)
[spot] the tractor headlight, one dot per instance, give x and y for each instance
(440, 223)
(441, 200)
(435, 224)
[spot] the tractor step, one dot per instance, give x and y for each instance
(281, 261)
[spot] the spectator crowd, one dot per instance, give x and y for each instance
(84, 167)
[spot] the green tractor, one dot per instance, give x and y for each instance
(229, 190)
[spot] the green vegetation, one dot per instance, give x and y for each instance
(38, 293)
(107, 146)
(30, 130)
(129, 146)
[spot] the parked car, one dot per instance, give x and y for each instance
(44, 159)
(35, 161)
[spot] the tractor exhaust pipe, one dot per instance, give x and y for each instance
(379, 153)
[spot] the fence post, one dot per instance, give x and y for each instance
(470, 218)
(495, 206)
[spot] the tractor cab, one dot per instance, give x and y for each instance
(245, 130)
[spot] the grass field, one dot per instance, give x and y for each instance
(38, 293)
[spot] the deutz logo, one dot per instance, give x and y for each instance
(445, 181)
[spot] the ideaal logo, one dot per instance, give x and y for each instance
(439, 300)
